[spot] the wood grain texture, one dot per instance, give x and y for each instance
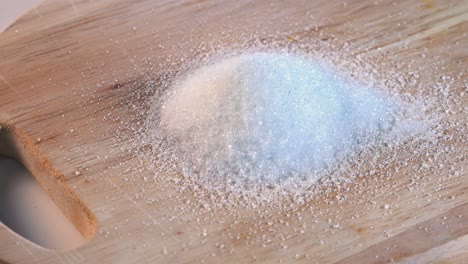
(61, 122)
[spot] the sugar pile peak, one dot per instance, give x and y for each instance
(264, 117)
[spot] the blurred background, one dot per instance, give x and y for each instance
(10, 10)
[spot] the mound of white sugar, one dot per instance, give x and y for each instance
(263, 117)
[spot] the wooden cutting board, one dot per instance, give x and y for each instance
(68, 69)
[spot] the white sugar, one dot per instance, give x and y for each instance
(280, 124)
(263, 117)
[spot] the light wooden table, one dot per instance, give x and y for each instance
(52, 59)
(24, 205)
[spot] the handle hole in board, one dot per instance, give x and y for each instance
(35, 201)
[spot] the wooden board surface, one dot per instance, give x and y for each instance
(67, 70)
